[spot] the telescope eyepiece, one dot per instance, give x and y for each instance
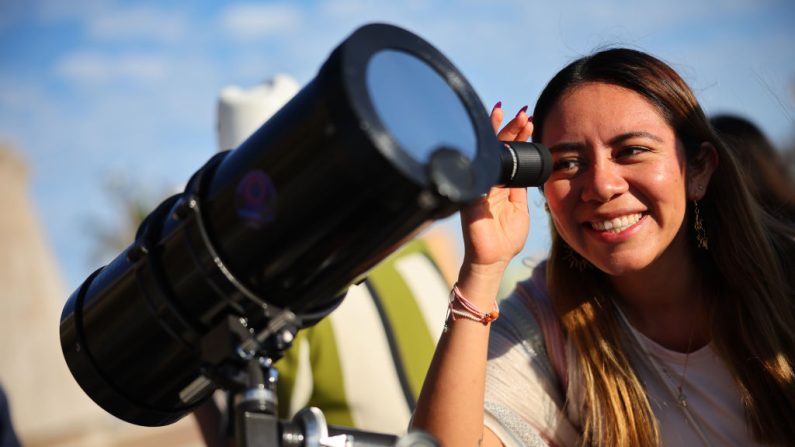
(524, 164)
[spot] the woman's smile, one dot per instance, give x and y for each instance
(617, 224)
(617, 229)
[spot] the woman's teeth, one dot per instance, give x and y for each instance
(617, 224)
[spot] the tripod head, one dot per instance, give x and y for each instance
(253, 380)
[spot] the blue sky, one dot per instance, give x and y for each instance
(98, 91)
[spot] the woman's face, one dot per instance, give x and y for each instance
(617, 193)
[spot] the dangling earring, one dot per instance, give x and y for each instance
(698, 225)
(575, 261)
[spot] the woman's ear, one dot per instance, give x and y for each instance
(700, 170)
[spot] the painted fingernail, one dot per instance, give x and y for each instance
(498, 105)
(530, 119)
(523, 109)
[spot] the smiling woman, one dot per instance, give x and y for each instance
(663, 315)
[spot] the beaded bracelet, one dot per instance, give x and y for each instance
(461, 307)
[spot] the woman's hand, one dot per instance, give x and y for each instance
(495, 227)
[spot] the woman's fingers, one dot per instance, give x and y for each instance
(518, 129)
(496, 116)
(527, 130)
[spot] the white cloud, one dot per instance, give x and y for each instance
(90, 67)
(103, 20)
(251, 21)
(138, 23)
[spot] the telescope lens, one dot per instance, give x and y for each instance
(417, 106)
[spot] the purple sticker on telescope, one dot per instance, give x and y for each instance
(256, 199)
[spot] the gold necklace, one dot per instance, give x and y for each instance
(681, 397)
(659, 369)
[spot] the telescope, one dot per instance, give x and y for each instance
(266, 238)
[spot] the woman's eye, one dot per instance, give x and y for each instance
(630, 151)
(566, 164)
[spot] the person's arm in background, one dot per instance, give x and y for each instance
(495, 228)
(8, 437)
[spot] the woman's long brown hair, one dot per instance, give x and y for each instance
(749, 268)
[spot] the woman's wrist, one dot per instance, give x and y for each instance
(461, 307)
(480, 283)
(483, 272)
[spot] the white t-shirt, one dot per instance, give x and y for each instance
(711, 395)
(525, 403)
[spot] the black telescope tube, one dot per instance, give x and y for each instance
(285, 222)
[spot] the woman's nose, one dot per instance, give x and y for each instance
(603, 182)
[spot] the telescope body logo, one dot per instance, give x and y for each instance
(256, 199)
